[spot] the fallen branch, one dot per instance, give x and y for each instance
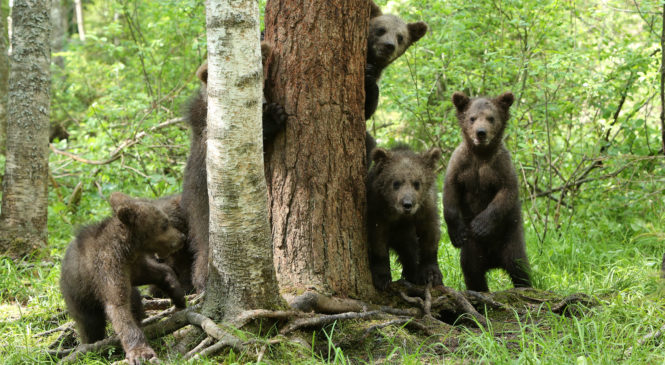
(64, 327)
(116, 154)
(648, 337)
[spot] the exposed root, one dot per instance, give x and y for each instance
(315, 302)
(322, 320)
(313, 310)
(648, 337)
(250, 315)
(65, 327)
(203, 344)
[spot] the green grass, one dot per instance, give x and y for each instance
(599, 253)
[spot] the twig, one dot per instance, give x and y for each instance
(648, 337)
(116, 154)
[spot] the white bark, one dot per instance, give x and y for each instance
(241, 272)
(79, 19)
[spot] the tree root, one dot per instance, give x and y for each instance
(317, 310)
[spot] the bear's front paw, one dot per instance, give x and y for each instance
(277, 114)
(381, 281)
(138, 355)
(458, 236)
(430, 273)
(481, 226)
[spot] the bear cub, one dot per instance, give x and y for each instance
(480, 198)
(402, 215)
(388, 38)
(105, 262)
(194, 188)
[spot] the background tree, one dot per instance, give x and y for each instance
(316, 169)
(24, 198)
(241, 272)
(4, 73)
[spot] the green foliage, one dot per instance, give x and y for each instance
(586, 77)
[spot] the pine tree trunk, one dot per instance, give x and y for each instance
(241, 273)
(4, 75)
(316, 170)
(24, 199)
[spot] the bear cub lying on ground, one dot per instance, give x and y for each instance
(480, 198)
(402, 215)
(104, 263)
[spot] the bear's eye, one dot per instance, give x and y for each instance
(400, 38)
(472, 119)
(416, 185)
(165, 226)
(396, 185)
(490, 119)
(381, 31)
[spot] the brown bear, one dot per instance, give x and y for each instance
(480, 198)
(402, 215)
(388, 38)
(181, 260)
(194, 188)
(107, 260)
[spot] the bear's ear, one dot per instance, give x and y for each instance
(202, 72)
(416, 31)
(266, 51)
(374, 10)
(432, 156)
(505, 100)
(380, 155)
(118, 200)
(461, 101)
(127, 214)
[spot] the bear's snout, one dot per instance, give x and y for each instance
(481, 133)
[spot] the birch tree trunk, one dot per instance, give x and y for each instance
(316, 171)
(79, 19)
(241, 273)
(24, 198)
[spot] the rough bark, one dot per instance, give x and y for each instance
(241, 273)
(316, 168)
(24, 199)
(662, 84)
(4, 74)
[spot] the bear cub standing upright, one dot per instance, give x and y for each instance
(388, 38)
(402, 215)
(104, 263)
(480, 198)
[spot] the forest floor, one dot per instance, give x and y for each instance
(609, 251)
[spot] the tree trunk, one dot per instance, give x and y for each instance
(316, 171)
(4, 74)
(24, 199)
(58, 29)
(79, 19)
(241, 273)
(662, 83)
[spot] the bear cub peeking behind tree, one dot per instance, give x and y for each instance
(388, 38)
(402, 215)
(107, 260)
(195, 185)
(480, 198)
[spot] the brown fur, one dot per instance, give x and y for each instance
(195, 189)
(181, 260)
(388, 38)
(481, 204)
(104, 263)
(402, 215)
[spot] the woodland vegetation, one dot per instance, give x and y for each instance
(587, 137)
